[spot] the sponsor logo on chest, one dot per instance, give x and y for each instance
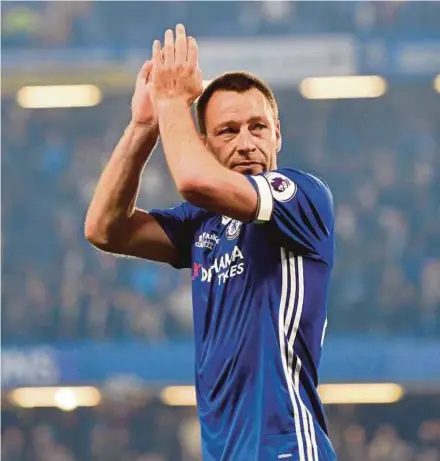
(223, 268)
(207, 240)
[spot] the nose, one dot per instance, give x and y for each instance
(245, 142)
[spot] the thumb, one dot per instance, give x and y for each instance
(145, 70)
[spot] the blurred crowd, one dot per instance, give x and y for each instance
(55, 285)
(381, 158)
(382, 161)
(122, 431)
(92, 23)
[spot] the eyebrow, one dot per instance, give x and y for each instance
(226, 123)
(234, 122)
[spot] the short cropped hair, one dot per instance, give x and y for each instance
(240, 82)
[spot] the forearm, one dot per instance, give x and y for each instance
(186, 155)
(118, 187)
(198, 176)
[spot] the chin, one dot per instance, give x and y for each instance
(249, 169)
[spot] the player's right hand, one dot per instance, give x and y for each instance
(142, 108)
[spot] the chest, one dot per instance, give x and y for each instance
(220, 250)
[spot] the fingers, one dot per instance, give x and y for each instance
(169, 47)
(183, 50)
(145, 71)
(193, 53)
(157, 54)
(181, 45)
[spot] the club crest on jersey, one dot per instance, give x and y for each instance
(283, 189)
(233, 229)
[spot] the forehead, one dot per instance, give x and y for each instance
(229, 105)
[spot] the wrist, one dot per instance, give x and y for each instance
(144, 126)
(144, 130)
(170, 104)
(143, 138)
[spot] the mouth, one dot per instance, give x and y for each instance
(248, 165)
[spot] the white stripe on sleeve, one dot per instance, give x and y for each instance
(266, 199)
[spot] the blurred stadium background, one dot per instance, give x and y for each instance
(96, 351)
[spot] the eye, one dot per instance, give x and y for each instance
(227, 130)
(259, 126)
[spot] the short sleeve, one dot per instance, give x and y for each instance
(179, 223)
(297, 207)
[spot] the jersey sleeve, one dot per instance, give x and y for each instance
(179, 223)
(297, 209)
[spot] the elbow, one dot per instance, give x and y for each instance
(194, 189)
(96, 236)
(186, 184)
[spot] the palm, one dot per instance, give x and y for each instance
(176, 74)
(142, 107)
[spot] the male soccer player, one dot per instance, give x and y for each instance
(259, 241)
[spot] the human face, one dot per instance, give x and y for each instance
(242, 132)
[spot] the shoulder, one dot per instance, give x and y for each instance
(189, 211)
(301, 178)
(285, 182)
(183, 212)
(198, 217)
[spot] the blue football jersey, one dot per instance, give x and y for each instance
(259, 298)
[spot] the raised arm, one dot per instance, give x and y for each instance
(113, 222)
(199, 177)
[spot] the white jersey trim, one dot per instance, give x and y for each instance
(284, 296)
(265, 208)
(288, 301)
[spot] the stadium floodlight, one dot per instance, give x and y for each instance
(360, 393)
(356, 393)
(65, 398)
(58, 96)
(179, 396)
(347, 87)
(437, 83)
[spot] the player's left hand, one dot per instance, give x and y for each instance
(176, 74)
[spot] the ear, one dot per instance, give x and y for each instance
(278, 136)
